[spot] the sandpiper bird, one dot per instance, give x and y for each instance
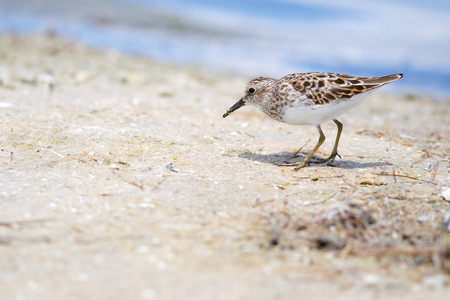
(310, 99)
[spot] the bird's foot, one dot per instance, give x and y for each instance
(297, 165)
(329, 160)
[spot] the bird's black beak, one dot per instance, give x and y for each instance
(237, 105)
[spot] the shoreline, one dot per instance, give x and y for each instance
(220, 40)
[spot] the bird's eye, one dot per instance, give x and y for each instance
(251, 91)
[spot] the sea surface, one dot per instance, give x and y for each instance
(260, 37)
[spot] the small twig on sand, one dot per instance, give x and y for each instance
(53, 151)
(351, 185)
(128, 181)
(320, 177)
(435, 171)
(374, 133)
(258, 203)
(158, 184)
(408, 177)
(298, 151)
(403, 143)
(307, 203)
(425, 154)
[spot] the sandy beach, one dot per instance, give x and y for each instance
(120, 179)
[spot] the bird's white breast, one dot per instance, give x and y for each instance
(298, 114)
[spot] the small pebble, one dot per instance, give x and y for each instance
(171, 168)
(446, 194)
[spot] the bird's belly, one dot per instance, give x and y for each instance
(317, 114)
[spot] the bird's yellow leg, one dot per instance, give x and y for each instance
(310, 155)
(334, 152)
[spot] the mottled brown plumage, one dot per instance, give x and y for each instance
(322, 88)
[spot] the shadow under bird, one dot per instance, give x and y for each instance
(310, 99)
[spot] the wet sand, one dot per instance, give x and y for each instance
(120, 178)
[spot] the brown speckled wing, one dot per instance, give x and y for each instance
(323, 88)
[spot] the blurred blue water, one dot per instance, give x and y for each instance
(265, 37)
